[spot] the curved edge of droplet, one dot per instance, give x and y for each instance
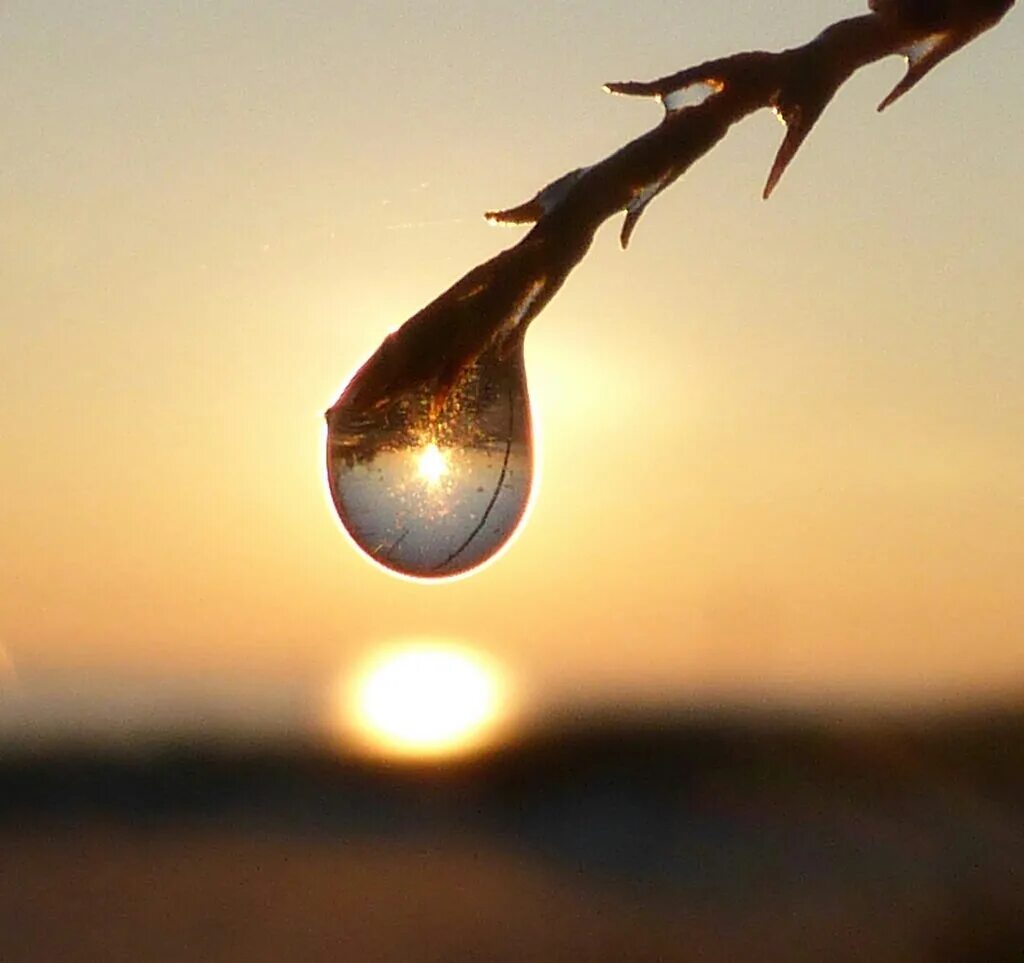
(535, 481)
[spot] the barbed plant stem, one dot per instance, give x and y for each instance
(491, 307)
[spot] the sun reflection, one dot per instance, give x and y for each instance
(426, 700)
(432, 465)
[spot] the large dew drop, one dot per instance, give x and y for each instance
(431, 485)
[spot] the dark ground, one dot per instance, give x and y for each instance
(665, 839)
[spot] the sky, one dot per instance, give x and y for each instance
(782, 452)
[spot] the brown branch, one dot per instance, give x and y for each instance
(491, 306)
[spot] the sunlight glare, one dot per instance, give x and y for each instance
(432, 465)
(428, 699)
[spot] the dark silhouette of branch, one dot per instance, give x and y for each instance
(491, 307)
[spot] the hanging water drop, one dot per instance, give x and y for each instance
(432, 482)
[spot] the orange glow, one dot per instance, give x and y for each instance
(731, 499)
(426, 700)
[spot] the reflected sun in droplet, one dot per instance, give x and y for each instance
(432, 465)
(426, 700)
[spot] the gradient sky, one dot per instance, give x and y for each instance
(783, 443)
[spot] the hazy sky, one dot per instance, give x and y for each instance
(783, 443)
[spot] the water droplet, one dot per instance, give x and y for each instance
(433, 483)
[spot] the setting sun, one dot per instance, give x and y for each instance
(428, 700)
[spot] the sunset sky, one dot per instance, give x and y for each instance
(783, 443)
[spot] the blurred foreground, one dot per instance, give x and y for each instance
(661, 839)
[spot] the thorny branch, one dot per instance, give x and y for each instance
(490, 308)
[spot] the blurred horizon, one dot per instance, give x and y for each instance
(231, 717)
(655, 839)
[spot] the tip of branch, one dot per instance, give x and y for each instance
(909, 81)
(799, 119)
(543, 202)
(785, 154)
(631, 88)
(627, 229)
(527, 213)
(897, 92)
(922, 57)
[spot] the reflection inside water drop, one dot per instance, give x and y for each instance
(435, 494)
(432, 465)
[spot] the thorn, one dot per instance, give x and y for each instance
(922, 57)
(628, 226)
(891, 99)
(799, 120)
(796, 133)
(904, 86)
(528, 213)
(543, 202)
(632, 88)
(642, 196)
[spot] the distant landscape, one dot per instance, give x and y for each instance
(658, 838)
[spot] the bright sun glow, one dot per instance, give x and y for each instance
(432, 465)
(428, 700)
